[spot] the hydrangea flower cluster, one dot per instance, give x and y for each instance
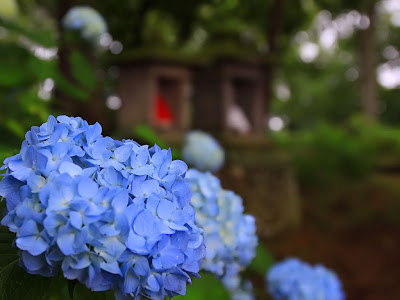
(229, 234)
(87, 21)
(203, 152)
(114, 215)
(244, 292)
(293, 279)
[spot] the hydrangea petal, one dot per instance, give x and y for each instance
(144, 223)
(65, 242)
(87, 188)
(136, 244)
(131, 283)
(8, 185)
(32, 263)
(35, 245)
(70, 168)
(171, 256)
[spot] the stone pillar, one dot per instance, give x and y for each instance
(218, 88)
(139, 86)
(264, 178)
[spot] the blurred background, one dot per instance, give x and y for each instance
(303, 95)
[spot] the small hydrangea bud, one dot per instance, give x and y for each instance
(87, 21)
(203, 152)
(294, 279)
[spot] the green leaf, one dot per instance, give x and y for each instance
(10, 279)
(42, 37)
(81, 292)
(70, 89)
(42, 69)
(150, 137)
(13, 71)
(15, 283)
(207, 287)
(82, 70)
(16, 128)
(262, 262)
(8, 254)
(146, 133)
(71, 286)
(6, 152)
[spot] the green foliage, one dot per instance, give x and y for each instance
(337, 5)
(150, 136)
(323, 154)
(20, 104)
(262, 262)
(132, 32)
(319, 91)
(383, 140)
(331, 152)
(81, 292)
(15, 283)
(144, 134)
(22, 27)
(175, 22)
(159, 30)
(22, 72)
(20, 75)
(206, 287)
(8, 254)
(6, 151)
(9, 9)
(82, 71)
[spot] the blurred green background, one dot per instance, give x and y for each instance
(332, 79)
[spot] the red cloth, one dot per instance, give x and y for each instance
(163, 113)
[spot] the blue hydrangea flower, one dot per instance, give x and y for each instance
(87, 21)
(293, 279)
(244, 292)
(203, 152)
(230, 235)
(112, 214)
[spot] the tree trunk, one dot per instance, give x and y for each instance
(273, 31)
(369, 101)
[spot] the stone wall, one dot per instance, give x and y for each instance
(264, 177)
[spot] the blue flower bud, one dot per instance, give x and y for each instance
(293, 279)
(203, 152)
(87, 21)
